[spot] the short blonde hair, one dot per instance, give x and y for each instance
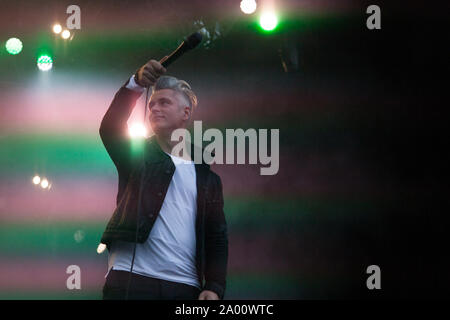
(181, 86)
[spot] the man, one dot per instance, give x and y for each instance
(181, 233)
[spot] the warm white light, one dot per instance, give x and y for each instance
(101, 247)
(248, 6)
(57, 28)
(36, 179)
(65, 34)
(44, 183)
(137, 130)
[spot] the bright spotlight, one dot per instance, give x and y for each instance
(248, 6)
(44, 183)
(44, 63)
(57, 28)
(137, 130)
(13, 46)
(268, 21)
(101, 247)
(36, 179)
(65, 34)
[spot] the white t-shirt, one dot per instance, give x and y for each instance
(169, 252)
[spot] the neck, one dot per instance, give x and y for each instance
(167, 145)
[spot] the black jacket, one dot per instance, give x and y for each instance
(128, 157)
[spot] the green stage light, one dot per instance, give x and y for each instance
(44, 63)
(13, 46)
(268, 21)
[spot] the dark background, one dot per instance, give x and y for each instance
(362, 122)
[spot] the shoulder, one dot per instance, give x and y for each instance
(215, 178)
(215, 187)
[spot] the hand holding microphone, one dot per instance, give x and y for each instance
(148, 74)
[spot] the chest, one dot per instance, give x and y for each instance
(183, 187)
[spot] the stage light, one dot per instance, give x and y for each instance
(13, 46)
(57, 28)
(44, 183)
(101, 247)
(36, 179)
(268, 20)
(137, 130)
(44, 63)
(248, 6)
(65, 34)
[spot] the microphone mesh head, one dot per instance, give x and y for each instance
(193, 40)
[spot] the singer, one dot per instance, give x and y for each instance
(181, 244)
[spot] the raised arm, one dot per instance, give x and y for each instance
(113, 128)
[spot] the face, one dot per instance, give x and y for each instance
(168, 111)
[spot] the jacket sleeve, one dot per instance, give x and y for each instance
(216, 242)
(114, 130)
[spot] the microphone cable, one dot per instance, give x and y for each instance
(139, 201)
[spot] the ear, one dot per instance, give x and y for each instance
(187, 113)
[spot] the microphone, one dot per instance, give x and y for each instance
(190, 43)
